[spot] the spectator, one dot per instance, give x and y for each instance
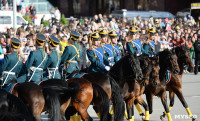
(32, 13)
(57, 14)
(197, 55)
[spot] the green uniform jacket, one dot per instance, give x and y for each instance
(34, 60)
(147, 49)
(96, 65)
(52, 65)
(71, 53)
(9, 62)
(130, 48)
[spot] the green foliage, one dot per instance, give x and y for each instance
(27, 18)
(45, 23)
(64, 21)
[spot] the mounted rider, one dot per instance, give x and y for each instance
(96, 55)
(149, 46)
(71, 54)
(12, 64)
(54, 59)
(134, 45)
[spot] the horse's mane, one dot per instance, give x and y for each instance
(124, 69)
(12, 108)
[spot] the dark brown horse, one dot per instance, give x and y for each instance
(157, 85)
(12, 108)
(120, 80)
(79, 98)
(175, 84)
(38, 98)
(146, 66)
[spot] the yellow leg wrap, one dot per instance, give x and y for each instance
(132, 118)
(98, 115)
(138, 108)
(189, 112)
(169, 116)
(149, 116)
(79, 118)
(129, 119)
(125, 114)
(111, 110)
(73, 118)
(170, 108)
(146, 115)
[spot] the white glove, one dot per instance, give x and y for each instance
(107, 68)
(110, 64)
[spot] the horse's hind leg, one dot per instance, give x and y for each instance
(179, 93)
(129, 108)
(143, 103)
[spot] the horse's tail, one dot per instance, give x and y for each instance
(103, 100)
(12, 108)
(118, 101)
(52, 103)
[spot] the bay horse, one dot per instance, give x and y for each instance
(146, 66)
(119, 84)
(80, 99)
(38, 99)
(12, 108)
(157, 86)
(126, 72)
(175, 84)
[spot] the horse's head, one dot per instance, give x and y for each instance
(154, 75)
(172, 61)
(136, 67)
(146, 66)
(183, 54)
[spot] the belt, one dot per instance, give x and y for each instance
(7, 72)
(72, 61)
(53, 68)
(35, 68)
(109, 58)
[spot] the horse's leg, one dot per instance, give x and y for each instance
(164, 102)
(179, 93)
(129, 109)
(171, 97)
(63, 108)
(149, 98)
(143, 103)
(96, 110)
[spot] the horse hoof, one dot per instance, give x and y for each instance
(162, 118)
(142, 114)
(193, 119)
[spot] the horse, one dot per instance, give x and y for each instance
(38, 99)
(78, 100)
(175, 84)
(120, 80)
(146, 66)
(12, 108)
(157, 86)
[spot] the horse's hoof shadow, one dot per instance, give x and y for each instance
(162, 117)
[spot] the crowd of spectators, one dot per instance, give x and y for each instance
(170, 33)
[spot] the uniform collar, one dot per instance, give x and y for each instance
(40, 48)
(15, 52)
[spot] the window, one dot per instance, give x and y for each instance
(5, 20)
(20, 21)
